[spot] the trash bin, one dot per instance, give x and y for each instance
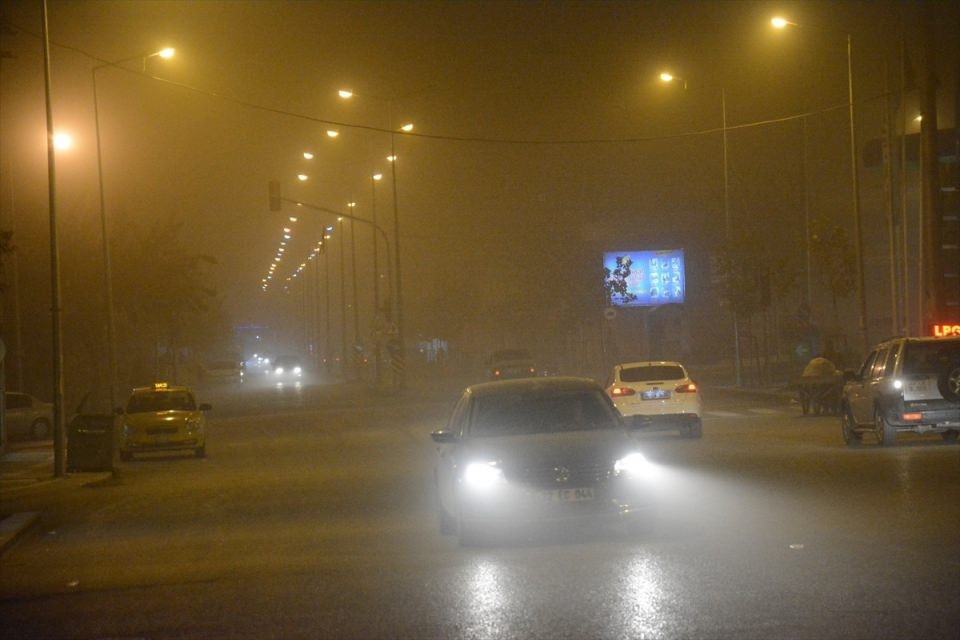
(90, 442)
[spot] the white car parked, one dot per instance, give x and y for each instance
(656, 395)
(27, 417)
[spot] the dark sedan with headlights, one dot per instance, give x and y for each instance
(537, 450)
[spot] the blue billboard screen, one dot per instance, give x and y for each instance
(645, 278)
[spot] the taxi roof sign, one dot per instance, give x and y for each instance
(160, 385)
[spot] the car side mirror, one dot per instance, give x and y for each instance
(205, 407)
(444, 437)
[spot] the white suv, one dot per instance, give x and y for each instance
(905, 384)
(656, 395)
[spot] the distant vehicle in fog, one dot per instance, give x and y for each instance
(285, 369)
(223, 371)
(507, 364)
(27, 417)
(656, 395)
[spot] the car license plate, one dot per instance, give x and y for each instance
(655, 394)
(568, 495)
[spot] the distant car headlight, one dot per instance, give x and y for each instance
(297, 370)
(632, 465)
(278, 370)
(483, 475)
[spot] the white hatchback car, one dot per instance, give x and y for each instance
(656, 395)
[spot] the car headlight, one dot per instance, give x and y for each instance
(297, 370)
(482, 475)
(278, 370)
(633, 465)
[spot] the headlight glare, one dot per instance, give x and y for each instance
(482, 475)
(633, 465)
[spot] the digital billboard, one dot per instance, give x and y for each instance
(644, 278)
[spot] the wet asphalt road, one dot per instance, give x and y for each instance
(312, 517)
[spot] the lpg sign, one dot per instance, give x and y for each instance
(944, 330)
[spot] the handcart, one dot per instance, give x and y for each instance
(820, 395)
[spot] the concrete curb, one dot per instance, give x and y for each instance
(14, 526)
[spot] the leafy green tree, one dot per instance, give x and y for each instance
(615, 281)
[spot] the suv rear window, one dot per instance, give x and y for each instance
(652, 373)
(930, 357)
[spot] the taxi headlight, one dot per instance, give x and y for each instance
(632, 465)
(482, 475)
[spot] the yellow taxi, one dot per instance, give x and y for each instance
(163, 417)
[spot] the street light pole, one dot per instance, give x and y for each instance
(59, 435)
(669, 77)
(855, 185)
(353, 276)
(104, 236)
(343, 308)
(781, 23)
(398, 303)
(737, 366)
(376, 282)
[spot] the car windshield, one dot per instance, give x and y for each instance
(930, 357)
(652, 373)
(510, 414)
(153, 401)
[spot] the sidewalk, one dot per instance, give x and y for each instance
(25, 468)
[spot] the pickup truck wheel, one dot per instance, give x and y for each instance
(850, 434)
(949, 382)
(886, 434)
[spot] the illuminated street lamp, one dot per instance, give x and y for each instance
(782, 23)
(62, 141)
(398, 301)
(165, 53)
